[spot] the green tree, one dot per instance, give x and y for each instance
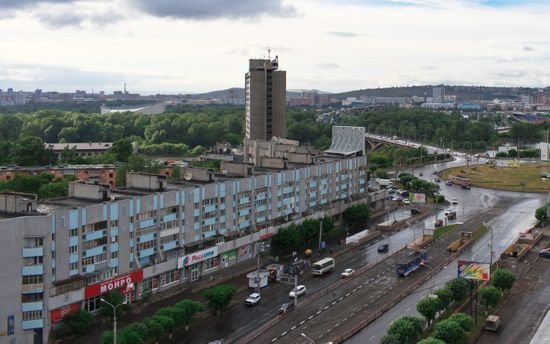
(390, 339)
(220, 296)
(138, 328)
(459, 287)
(79, 322)
(407, 330)
(123, 149)
(154, 328)
(464, 321)
(448, 331)
(356, 215)
(129, 336)
(428, 307)
(114, 298)
(445, 297)
(107, 337)
(190, 308)
(176, 172)
(30, 151)
(166, 323)
(431, 340)
(490, 296)
(503, 279)
(175, 313)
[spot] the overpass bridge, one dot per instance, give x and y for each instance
(374, 141)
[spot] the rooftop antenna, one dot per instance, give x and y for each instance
(268, 53)
(124, 87)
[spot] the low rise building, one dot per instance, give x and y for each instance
(103, 174)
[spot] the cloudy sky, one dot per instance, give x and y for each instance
(187, 46)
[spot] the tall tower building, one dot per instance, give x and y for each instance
(438, 95)
(265, 100)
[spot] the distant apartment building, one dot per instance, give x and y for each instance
(265, 100)
(309, 99)
(82, 149)
(65, 254)
(438, 95)
(102, 174)
(11, 98)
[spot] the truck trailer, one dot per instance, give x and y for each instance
(411, 263)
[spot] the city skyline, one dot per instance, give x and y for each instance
(170, 47)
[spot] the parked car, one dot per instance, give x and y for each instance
(545, 253)
(437, 180)
(406, 201)
(415, 211)
(449, 183)
(286, 307)
(298, 291)
(383, 248)
(438, 223)
(466, 186)
(252, 299)
(347, 273)
(421, 174)
(455, 201)
(451, 215)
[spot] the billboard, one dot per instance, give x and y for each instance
(197, 257)
(418, 198)
(474, 270)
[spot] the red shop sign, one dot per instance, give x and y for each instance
(58, 314)
(121, 282)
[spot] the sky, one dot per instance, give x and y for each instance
(192, 46)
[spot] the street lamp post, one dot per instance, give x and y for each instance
(306, 337)
(433, 276)
(114, 316)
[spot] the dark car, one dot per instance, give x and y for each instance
(545, 253)
(449, 183)
(383, 248)
(286, 307)
(466, 186)
(415, 211)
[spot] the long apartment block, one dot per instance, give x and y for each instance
(61, 255)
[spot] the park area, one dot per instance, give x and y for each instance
(519, 178)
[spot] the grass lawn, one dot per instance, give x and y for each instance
(524, 178)
(441, 231)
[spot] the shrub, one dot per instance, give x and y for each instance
(406, 330)
(464, 321)
(459, 287)
(219, 296)
(431, 340)
(503, 279)
(445, 297)
(490, 296)
(448, 331)
(428, 307)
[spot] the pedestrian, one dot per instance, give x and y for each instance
(330, 251)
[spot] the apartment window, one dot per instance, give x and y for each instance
(93, 304)
(32, 279)
(32, 315)
(33, 261)
(38, 242)
(34, 297)
(211, 263)
(73, 266)
(145, 245)
(114, 223)
(73, 232)
(171, 277)
(114, 255)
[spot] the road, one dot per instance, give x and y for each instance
(240, 320)
(505, 226)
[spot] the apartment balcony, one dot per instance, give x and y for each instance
(32, 306)
(95, 235)
(32, 288)
(29, 252)
(32, 270)
(32, 324)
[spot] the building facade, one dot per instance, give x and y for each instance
(61, 256)
(265, 100)
(103, 174)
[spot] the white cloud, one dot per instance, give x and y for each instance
(332, 46)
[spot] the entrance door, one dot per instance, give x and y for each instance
(195, 272)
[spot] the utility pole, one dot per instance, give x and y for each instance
(320, 233)
(296, 290)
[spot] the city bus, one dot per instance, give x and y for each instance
(322, 266)
(459, 180)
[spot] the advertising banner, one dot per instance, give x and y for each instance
(121, 282)
(474, 270)
(418, 198)
(197, 257)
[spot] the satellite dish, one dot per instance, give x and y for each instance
(187, 176)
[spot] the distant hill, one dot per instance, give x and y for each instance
(462, 93)
(240, 90)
